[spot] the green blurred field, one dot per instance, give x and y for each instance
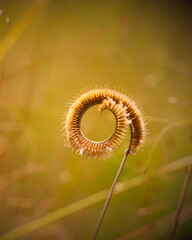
(49, 53)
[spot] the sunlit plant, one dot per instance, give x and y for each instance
(126, 114)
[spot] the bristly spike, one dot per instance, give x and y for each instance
(125, 111)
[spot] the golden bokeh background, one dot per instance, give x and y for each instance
(51, 51)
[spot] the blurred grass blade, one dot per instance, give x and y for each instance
(160, 222)
(83, 40)
(9, 40)
(21, 173)
(159, 137)
(181, 201)
(93, 199)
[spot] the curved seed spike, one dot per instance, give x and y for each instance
(125, 112)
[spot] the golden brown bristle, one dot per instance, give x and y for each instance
(125, 112)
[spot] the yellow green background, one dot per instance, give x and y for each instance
(51, 52)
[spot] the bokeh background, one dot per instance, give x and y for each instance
(51, 51)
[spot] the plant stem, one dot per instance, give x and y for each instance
(181, 201)
(110, 194)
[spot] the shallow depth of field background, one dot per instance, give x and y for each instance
(50, 52)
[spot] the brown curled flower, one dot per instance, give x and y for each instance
(125, 112)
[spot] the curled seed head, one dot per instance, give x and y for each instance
(125, 112)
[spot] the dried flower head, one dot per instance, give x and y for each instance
(125, 112)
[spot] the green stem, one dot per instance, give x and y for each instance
(110, 195)
(181, 201)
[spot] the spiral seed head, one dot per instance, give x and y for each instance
(125, 112)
